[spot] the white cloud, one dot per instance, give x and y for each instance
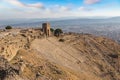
(36, 5)
(84, 9)
(18, 9)
(20, 4)
(91, 1)
(60, 8)
(64, 8)
(15, 2)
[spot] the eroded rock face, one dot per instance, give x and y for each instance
(3, 67)
(13, 40)
(7, 72)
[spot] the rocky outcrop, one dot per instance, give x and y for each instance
(7, 71)
(14, 41)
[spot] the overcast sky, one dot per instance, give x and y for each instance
(10, 9)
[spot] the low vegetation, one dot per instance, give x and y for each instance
(52, 30)
(61, 40)
(113, 55)
(58, 32)
(8, 27)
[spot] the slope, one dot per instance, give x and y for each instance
(84, 54)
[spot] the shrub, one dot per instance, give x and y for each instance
(61, 40)
(8, 27)
(52, 30)
(57, 32)
(113, 55)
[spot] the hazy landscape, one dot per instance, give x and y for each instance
(59, 39)
(109, 27)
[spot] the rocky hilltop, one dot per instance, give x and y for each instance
(26, 54)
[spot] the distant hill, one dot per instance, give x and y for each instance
(109, 27)
(90, 20)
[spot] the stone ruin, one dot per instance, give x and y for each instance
(46, 29)
(11, 43)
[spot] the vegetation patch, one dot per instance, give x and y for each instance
(61, 40)
(113, 55)
(58, 32)
(8, 27)
(52, 30)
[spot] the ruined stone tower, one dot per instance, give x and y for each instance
(46, 28)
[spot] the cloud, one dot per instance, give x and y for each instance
(20, 4)
(64, 8)
(18, 9)
(36, 5)
(91, 1)
(60, 8)
(84, 9)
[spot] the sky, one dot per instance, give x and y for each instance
(12, 9)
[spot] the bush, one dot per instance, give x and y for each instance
(57, 32)
(61, 40)
(8, 27)
(114, 55)
(52, 30)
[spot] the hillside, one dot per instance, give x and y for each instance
(32, 56)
